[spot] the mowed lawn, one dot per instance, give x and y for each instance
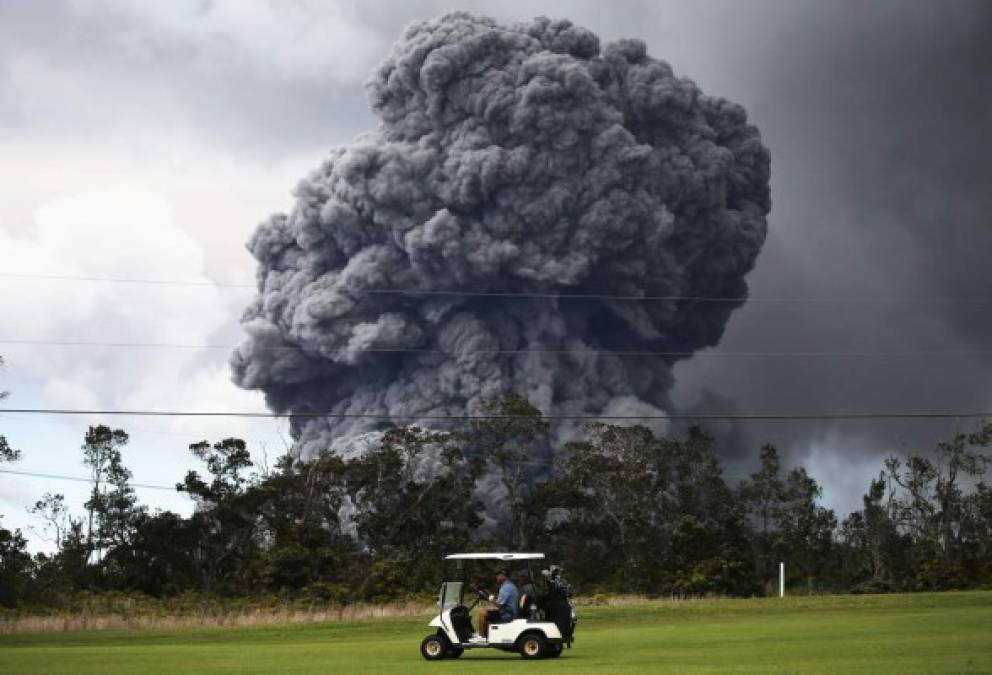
(922, 633)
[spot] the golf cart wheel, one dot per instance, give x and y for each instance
(455, 652)
(533, 646)
(434, 648)
(554, 651)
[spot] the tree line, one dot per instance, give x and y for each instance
(626, 510)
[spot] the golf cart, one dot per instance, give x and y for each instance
(531, 634)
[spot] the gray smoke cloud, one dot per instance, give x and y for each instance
(523, 159)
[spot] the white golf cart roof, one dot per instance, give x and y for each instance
(495, 556)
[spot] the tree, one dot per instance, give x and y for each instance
(66, 570)
(15, 563)
(226, 462)
(976, 531)
(880, 552)
(413, 501)
(118, 517)
(117, 507)
(161, 559)
(807, 529)
(509, 436)
(55, 516)
(102, 456)
(789, 523)
(766, 490)
(762, 497)
(226, 516)
(15, 567)
(301, 511)
(7, 453)
(608, 486)
(637, 513)
(930, 506)
(708, 510)
(113, 511)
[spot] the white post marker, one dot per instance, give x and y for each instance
(781, 580)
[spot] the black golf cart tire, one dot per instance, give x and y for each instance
(555, 650)
(455, 652)
(532, 646)
(434, 647)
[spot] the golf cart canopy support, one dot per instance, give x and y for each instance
(507, 557)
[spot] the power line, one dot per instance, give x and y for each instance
(149, 486)
(510, 294)
(660, 298)
(576, 352)
(188, 435)
(121, 280)
(80, 479)
(261, 443)
(418, 417)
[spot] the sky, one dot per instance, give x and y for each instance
(147, 140)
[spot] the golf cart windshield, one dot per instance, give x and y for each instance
(451, 594)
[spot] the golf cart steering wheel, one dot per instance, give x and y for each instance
(480, 595)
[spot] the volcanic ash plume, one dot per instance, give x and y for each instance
(509, 160)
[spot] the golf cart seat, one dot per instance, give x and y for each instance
(528, 607)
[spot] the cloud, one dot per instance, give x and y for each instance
(307, 39)
(147, 72)
(126, 231)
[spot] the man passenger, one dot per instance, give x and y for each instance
(528, 593)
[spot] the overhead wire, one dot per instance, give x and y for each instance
(968, 414)
(81, 479)
(122, 280)
(152, 486)
(576, 352)
(510, 294)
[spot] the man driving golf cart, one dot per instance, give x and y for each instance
(508, 601)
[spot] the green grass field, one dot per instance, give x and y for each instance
(923, 633)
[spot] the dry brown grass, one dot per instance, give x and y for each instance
(87, 620)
